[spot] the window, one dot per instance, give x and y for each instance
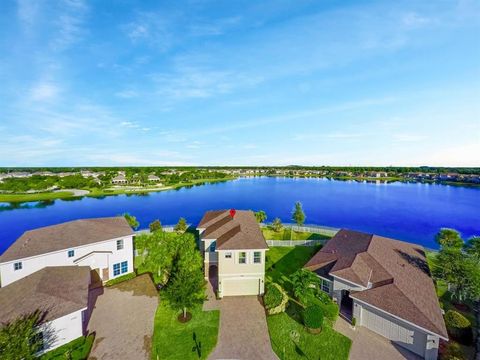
(326, 286)
(116, 269)
(228, 255)
(213, 246)
(17, 266)
(71, 253)
(242, 257)
(257, 257)
(124, 267)
(120, 244)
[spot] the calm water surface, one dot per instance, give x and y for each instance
(410, 212)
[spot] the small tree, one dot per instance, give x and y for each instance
(20, 338)
(304, 283)
(473, 248)
(449, 238)
(277, 225)
(261, 216)
(186, 290)
(155, 225)
(181, 225)
(131, 220)
(298, 215)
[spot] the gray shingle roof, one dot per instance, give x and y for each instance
(397, 271)
(66, 235)
(57, 290)
(241, 232)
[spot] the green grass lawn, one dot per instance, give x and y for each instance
(329, 344)
(174, 340)
(288, 234)
(35, 197)
(79, 349)
(284, 261)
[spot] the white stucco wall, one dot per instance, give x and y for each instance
(60, 258)
(64, 330)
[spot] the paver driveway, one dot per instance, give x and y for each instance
(368, 345)
(243, 330)
(123, 320)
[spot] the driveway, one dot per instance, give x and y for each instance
(368, 345)
(123, 319)
(243, 330)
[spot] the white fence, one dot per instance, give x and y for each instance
(273, 243)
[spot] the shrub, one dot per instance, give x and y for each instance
(452, 351)
(275, 299)
(459, 327)
(330, 310)
(78, 349)
(313, 317)
(354, 322)
(120, 279)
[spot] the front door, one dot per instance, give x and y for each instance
(346, 305)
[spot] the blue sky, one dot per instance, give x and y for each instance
(239, 83)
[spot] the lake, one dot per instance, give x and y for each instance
(406, 211)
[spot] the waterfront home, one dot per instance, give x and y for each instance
(60, 293)
(103, 244)
(386, 286)
(120, 180)
(153, 178)
(234, 252)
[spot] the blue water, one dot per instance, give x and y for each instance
(410, 212)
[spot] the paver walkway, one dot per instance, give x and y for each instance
(368, 345)
(243, 332)
(123, 320)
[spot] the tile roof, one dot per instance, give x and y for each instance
(237, 233)
(395, 272)
(57, 290)
(66, 235)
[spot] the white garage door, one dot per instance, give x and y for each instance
(238, 287)
(394, 330)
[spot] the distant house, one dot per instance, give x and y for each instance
(234, 251)
(119, 180)
(153, 178)
(386, 286)
(60, 293)
(103, 244)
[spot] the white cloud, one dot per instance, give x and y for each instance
(127, 94)
(414, 20)
(44, 91)
(409, 137)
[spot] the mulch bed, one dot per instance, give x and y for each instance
(184, 319)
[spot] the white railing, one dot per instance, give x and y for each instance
(273, 243)
(325, 230)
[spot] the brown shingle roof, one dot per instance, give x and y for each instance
(396, 271)
(63, 236)
(57, 290)
(237, 233)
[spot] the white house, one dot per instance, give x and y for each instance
(105, 245)
(59, 293)
(385, 285)
(234, 252)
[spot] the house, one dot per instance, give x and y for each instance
(386, 286)
(234, 252)
(119, 180)
(153, 178)
(104, 244)
(60, 293)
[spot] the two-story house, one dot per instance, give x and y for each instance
(386, 286)
(234, 250)
(103, 244)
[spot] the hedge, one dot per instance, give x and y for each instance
(79, 349)
(275, 299)
(313, 317)
(120, 279)
(459, 327)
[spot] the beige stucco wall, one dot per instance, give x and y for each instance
(227, 267)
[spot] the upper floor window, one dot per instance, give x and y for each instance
(257, 257)
(228, 255)
(120, 244)
(17, 266)
(242, 257)
(71, 253)
(213, 246)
